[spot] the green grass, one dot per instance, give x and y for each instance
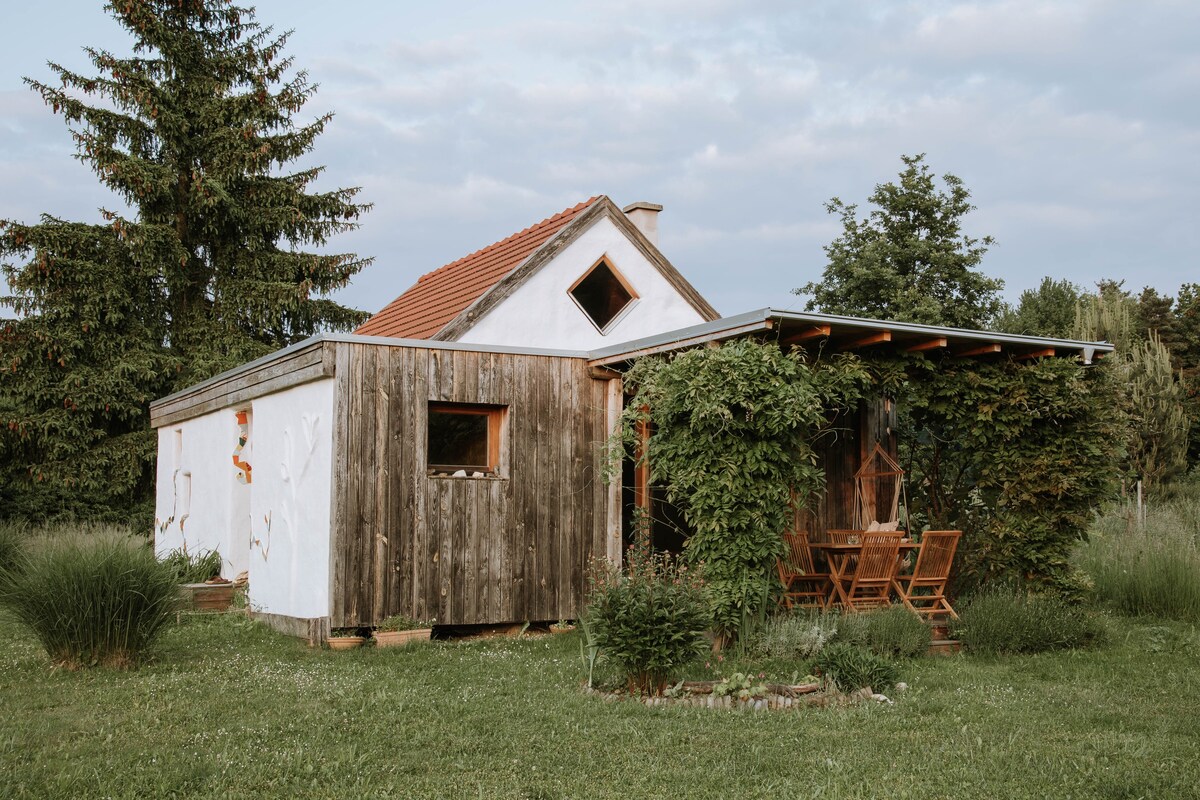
(228, 709)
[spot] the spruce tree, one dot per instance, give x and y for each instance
(195, 132)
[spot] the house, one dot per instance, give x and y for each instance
(446, 459)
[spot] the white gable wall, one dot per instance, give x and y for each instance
(284, 543)
(540, 313)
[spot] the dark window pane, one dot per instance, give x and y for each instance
(601, 295)
(458, 440)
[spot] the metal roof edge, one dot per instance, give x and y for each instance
(690, 332)
(717, 326)
(916, 327)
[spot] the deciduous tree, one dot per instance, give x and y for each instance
(909, 258)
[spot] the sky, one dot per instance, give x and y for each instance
(1075, 126)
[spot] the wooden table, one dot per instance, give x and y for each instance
(839, 556)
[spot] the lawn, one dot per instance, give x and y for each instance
(230, 709)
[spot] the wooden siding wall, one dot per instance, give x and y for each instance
(841, 456)
(464, 550)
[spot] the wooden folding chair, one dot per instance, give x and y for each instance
(870, 584)
(930, 575)
(839, 536)
(802, 584)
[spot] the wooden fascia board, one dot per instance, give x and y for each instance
(241, 385)
(601, 208)
(683, 344)
(928, 344)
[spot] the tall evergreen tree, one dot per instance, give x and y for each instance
(195, 131)
(909, 258)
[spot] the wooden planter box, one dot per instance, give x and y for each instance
(212, 597)
(402, 638)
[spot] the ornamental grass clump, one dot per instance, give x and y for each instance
(13, 538)
(851, 667)
(893, 632)
(92, 597)
(649, 620)
(1005, 621)
(193, 567)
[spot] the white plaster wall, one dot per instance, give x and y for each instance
(291, 501)
(197, 455)
(540, 313)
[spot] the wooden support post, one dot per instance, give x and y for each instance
(614, 399)
(641, 473)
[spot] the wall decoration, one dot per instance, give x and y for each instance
(243, 437)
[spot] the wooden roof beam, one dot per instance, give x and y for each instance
(815, 332)
(867, 341)
(928, 344)
(1047, 352)
(982, 350)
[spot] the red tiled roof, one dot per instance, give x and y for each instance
(440, 296)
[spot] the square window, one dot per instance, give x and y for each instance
(464, 437)
(602, 293)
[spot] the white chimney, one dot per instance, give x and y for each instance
(644, 216)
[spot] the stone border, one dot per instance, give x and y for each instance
(779, 697)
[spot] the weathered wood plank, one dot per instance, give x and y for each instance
(382, 564)
(340, 512)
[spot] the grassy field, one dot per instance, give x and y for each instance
(229, 709)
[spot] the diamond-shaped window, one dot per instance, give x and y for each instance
(602, 293)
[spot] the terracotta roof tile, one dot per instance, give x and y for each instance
(440, 296)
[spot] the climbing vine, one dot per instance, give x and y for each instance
(732, 434)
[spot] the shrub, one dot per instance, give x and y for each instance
(851, 667)
(1003, 621)
(795, 636)
(92, 597)
(893, 632)
(1151, 569)
(193, 567)
(651, 620)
